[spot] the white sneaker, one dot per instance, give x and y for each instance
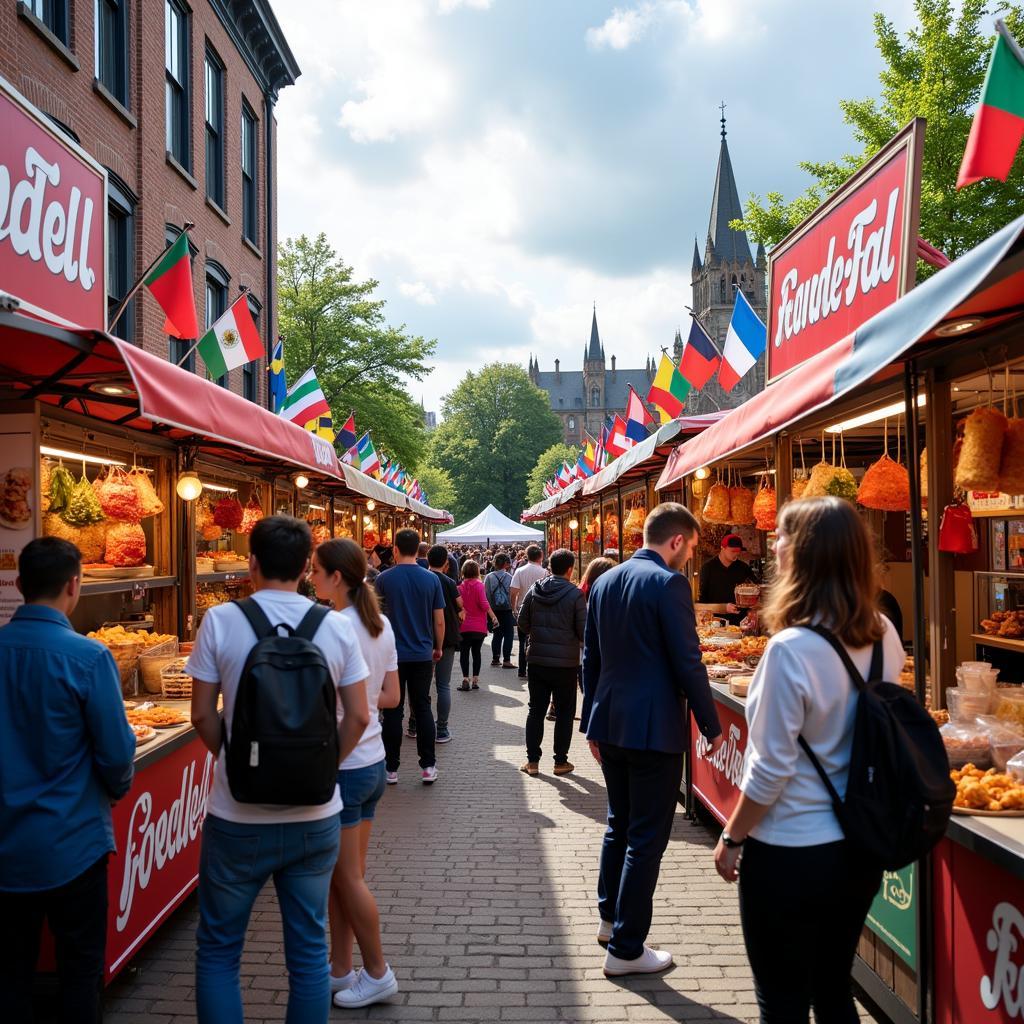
(429, 775)
(391, 778)
(366, 990)
(650, 961)
(342, 983)
(604, 932)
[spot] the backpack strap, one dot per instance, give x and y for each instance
(257, 618)
(310, 623)
(877, 662)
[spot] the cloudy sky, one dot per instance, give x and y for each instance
(500, 165)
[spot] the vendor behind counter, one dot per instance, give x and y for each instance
(720, 577)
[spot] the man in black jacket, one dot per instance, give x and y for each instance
(553, 617)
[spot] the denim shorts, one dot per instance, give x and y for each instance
(360, 790)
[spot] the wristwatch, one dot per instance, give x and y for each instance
(731, 843)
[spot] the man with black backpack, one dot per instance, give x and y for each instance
(282, 665)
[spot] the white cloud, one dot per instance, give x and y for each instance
(418, 292)
(448, 6)
(623, 27)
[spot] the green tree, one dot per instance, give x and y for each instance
(438, 485)
(333, 322)
(936, 72)
(496, 423)
(549, 463)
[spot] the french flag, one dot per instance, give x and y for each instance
(744, 344)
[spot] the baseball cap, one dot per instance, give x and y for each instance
(733, 540)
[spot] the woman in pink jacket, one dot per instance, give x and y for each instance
(474, 627)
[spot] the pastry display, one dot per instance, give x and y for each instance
(1009, 625)
(15, 511)
(175, 681)
(993, 791)
(158, 718)
(112, 635)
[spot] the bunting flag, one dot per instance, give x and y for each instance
(638, 419)
(305, 400)
(744, 344)
(564, 478)
(277, 384)
(582, 469)
(700, 359)
(600, 457)
(347, 434)
(999, 120)
(587, 455)
(170, 283)
(549, 489)
(369, 461)
(619, 442)
(232, 340)
(668, 390)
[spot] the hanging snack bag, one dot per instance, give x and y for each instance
(126, 545)
(251, 515)
(717, 508)
(90, 540)
(211, 532)
(149, 500)
(886, 486)
(765, 507)
(84, 507)
(981, 453)
(228, 513)
(818, 482)
(204, 514)
(1011, 466)
(741, 506)
(118, 497)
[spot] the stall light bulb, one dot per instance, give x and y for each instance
(301, 480)
(703, 473)
(354, 517)
(371, 505)
(573, 524)
(189, 487)
(366, 520)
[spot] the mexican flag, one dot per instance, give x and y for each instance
(170, 282)
(305, 400)
(999, 121)
(232, 341)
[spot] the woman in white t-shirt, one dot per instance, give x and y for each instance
(804, 893)
(338, 573)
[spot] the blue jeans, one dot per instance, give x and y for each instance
(235, 862)
(361, 789)
(443, 682)
(501, 644)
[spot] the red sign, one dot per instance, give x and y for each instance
(853, 257)
(157, 828)
(979, 940)
(716, 777)
(53, 219)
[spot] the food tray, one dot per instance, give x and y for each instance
(118, 572)
(972, 813)
(231, 565)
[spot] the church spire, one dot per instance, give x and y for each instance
(696, 257)
(726, 244)
(595, 352)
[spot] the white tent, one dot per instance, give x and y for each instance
(491, 527)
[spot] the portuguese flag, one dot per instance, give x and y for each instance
(170, 281)
(999, 122)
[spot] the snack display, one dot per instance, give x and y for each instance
(15, 511)
(1005, 624)
(966, 744)
(1005, 740)
(719, 654)
(741, 506)
(1010, 705)
(251, 515)
(125, 545)
(158, 718)
(765, 505)
(717, 507)
(118, 496)
(986, 791)
(885, 486)
(149, 502)
(228, 513)
(204, 565)
(83, 507)
(981, 452)
(176, 683)
(90, 540)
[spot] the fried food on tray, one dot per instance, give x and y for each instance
(159, 718)
(987, 791)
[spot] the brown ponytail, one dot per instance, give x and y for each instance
(347, 557)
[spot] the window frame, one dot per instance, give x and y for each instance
(249, 138)
(52, 15)
(213, 68)
(123, 202)
(117, 85)
(178, 114)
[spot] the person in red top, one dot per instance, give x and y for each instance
(474, 627)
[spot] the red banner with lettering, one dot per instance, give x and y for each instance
(53, 219)
(716, 778)
(853, 257)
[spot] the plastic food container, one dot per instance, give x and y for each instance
(966, 745)
(1005, 741)
(965, 706)
(747, 595)
(176, 683)
(1010, 706)
(153, 662)
(739, 685)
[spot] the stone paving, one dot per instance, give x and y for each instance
(486, 883)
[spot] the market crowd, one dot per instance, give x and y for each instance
(295, 793)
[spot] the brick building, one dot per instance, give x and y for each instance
(176, 101)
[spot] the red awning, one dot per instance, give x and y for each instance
(110, 380)
(986, 284)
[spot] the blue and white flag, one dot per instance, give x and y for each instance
(744, 344)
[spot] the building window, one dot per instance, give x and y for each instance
(250, 214)
(53, 14)
(251, 371)
(595, 397)
(722, 292)
(215, 129)
(120, 254)
(112, 47)
(176, 64)
(216, 301)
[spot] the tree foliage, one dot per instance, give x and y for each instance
(496, 423)
(548, 464)
(936, 72)
(333, 322)
(438, 485)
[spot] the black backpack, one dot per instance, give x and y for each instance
(899, 795)
(284, 730)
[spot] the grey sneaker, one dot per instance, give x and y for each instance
(443, 736)
(366, 990)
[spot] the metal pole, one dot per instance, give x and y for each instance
(188, 225)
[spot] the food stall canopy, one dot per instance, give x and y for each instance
(432, 515)
(369, 487)
(548, 505)
(491, 526)
(107, 379)
(981, 289)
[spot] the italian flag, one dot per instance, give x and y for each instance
(369, 461)
(232, 341)
(305, 400)
(999, 122)
(170, 283)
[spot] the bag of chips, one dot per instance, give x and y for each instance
(90, 540)
(818, 482)
(251, 515)
(204, 514)
(981, 452)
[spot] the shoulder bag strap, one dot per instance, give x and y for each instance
(256, 617)
(877, 662)
(310, 623)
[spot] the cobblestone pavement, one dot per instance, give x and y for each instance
(486, 883)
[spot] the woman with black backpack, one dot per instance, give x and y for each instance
(805, 889)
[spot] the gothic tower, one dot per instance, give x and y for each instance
(593, 379)
(726, 266)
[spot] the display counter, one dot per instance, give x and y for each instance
(714, 780)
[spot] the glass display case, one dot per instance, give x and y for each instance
(634, 511)
(590, 535)
(610, 527)
(998, 629)
(225, 514)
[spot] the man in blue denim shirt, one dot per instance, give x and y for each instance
(66, 752)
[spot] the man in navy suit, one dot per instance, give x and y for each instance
(641, 658)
